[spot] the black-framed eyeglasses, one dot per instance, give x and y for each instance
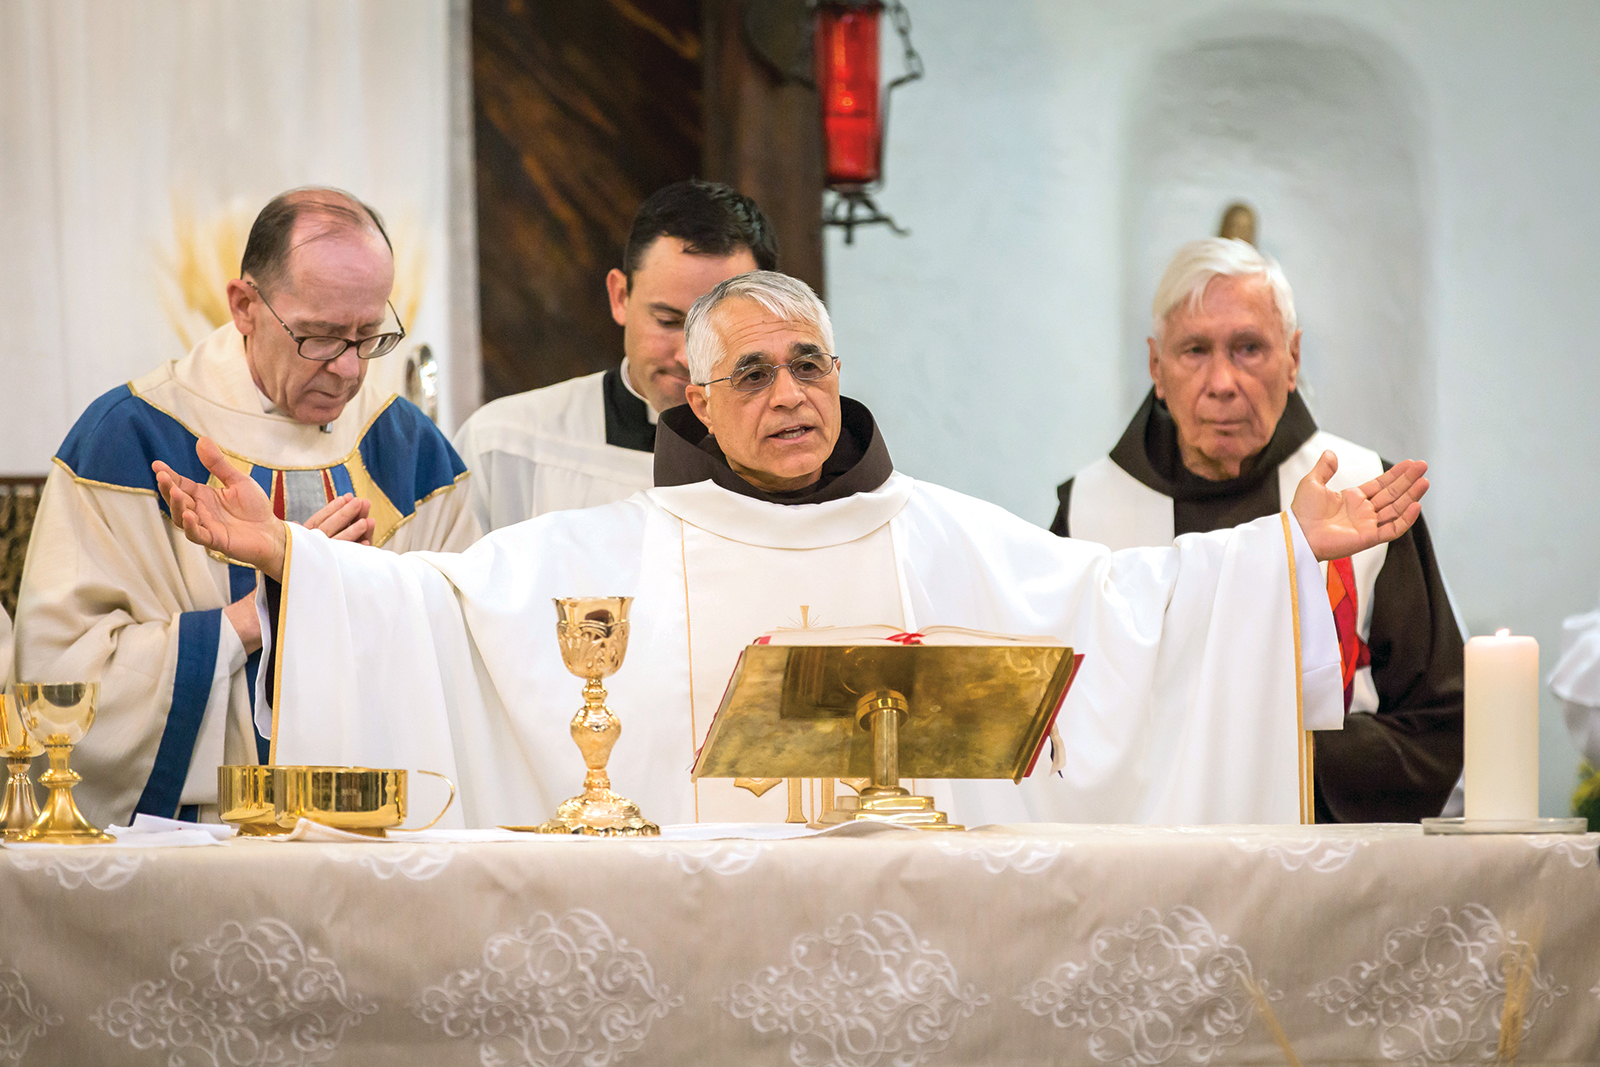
(328, 349)
(754, 377)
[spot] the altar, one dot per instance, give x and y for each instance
(1031, 944)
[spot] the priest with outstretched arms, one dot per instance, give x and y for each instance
(776, 505)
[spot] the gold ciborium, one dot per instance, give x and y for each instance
(57, 716)
(18, 748)
(593, 634)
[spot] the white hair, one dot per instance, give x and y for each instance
(783, 296)
(1197, 262)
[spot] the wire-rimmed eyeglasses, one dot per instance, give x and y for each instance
(328, 349)
(754, 377)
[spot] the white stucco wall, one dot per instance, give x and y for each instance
(1428, 173)
(115, 117)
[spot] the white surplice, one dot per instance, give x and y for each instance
(545, 450)
(1576, 680)
(1186, 709)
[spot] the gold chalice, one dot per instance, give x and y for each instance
(57, 716)
(18, 748)
(593, 634)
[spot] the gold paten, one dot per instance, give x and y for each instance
(245, 796)
(57, 715)
(593, 635)
(21, 805)
(882, 712)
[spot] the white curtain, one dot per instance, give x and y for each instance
(122, 121)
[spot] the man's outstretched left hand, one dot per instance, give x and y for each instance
(1338, 524)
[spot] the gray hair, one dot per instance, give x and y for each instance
(1197, 262)
(783, 296)
(266, 251)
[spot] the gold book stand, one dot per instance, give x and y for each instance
(885, 712)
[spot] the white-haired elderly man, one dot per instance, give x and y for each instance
(776, 506)
(1223, 438)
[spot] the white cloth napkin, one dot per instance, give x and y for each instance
(149, 831)
(307, 830)
(151, 824)
(775, 831)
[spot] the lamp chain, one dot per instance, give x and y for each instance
(902, 25)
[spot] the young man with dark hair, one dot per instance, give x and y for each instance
(589, 440)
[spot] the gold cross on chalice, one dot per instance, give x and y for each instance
(593, 635)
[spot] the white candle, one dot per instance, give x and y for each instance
(1502, 727)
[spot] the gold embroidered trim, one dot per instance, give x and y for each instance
(277, 652)
(362, 436)
(688, 637)
(457, 480)
(407, 518)
(58, 461)
(1308, 813)
(351, 461)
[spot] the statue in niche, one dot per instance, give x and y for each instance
(1239, 221)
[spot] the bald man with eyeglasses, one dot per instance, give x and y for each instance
(112, 593)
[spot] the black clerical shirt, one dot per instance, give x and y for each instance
(628, 422)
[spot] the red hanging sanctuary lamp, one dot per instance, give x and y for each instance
(855, 110)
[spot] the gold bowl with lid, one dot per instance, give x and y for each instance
(245, 799)
(362, 800)
(272, 800)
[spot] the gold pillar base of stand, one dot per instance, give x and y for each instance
(903, 807)
(61, 823)
(884, 800)
(20, 808)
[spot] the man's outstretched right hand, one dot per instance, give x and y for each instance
(234, 518)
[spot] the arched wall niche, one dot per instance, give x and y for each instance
(1321, 129)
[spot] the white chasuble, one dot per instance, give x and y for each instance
(1201, 663)
(545, 450)
(808, 572)
(1115, 509)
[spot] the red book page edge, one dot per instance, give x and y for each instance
(694, 765)
(1044, 739)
